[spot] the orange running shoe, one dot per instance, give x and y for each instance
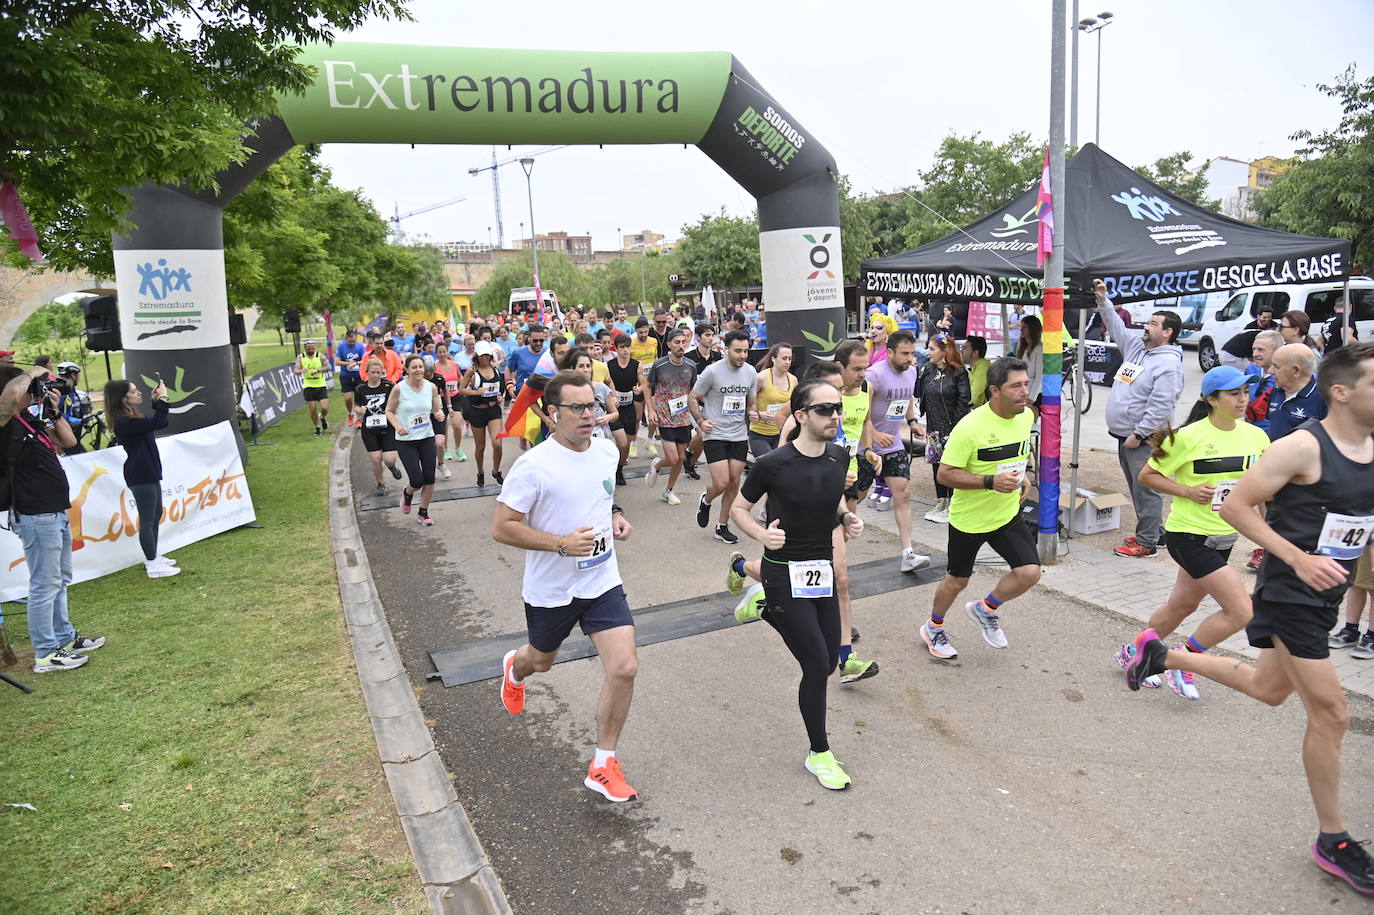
(609, 782)
(512, 696)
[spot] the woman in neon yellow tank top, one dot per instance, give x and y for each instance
(771, 394)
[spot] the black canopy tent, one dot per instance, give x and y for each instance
(1142, 241)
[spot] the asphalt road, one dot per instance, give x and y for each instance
(1028, 779)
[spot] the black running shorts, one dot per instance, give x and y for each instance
(1193, 555)
(724, 451)
(897, 464)
(348, 382)
(315, 394)
(1012, 541)
(1302, 628)
(678, 435)
(478, 417)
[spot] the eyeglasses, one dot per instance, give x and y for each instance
(823, 409)
(578, 408)
(1286, 326)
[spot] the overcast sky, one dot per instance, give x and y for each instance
(879, 84)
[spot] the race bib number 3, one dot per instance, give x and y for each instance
(815, 578)
(1129, 372)
(375, 421)
(897, 410)
(1344, 536)
(1223, 489)
(678, 405)
(601, 551)
(732, 405)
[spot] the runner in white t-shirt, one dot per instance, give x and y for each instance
(557, 505)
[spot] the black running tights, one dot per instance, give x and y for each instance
(418, 459)
(810, 627)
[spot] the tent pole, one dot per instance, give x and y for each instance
(1349, 310)
(1053, 316)
(1006, 331)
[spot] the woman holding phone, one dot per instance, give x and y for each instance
(143, 463)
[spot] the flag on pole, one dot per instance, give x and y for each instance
(539, 299)
(521, 419)
(17, 221)
(1044, 211)
(329, 340)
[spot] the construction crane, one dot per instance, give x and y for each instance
(495, 169)
(395, 220)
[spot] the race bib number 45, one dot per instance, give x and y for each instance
(678, 405)
(1344, 536)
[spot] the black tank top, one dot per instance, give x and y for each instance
(1297, 513)
(623, 379)
(485, 400)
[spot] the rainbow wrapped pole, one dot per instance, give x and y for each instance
(1050, 425)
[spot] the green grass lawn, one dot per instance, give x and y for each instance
(215, 756)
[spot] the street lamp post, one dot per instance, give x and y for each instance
(1097, 24)
(527, 164)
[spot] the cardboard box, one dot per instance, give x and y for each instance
(1092, 513)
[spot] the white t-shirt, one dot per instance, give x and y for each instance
(559, 490)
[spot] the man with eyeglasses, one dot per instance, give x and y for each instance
(556, 505)
(984, 462)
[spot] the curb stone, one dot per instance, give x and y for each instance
(457, 876)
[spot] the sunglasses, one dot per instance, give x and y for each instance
(823, 409)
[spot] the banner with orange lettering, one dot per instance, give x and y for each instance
(204, 492)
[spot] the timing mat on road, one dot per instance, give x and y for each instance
(377, 503)
(480, 659)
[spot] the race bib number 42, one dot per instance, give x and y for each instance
(1344, 536)
(601, 551)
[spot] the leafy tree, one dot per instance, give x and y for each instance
(557, 272)
(722, 250)
(888, 218)
(857, 236)
(1172, 174)
(97, 96)
(53, 321)
(633, 278)
(969, 178)
(1329, 193)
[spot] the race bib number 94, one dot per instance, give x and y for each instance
(897, 409)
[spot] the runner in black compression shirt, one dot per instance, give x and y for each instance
(370, 400)
(804, 481)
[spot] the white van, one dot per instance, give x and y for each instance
(1316, 299)
(523, 302)
(1192, 310)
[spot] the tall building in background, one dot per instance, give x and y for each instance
(644, 240)
(562, 242)
(1235, 182)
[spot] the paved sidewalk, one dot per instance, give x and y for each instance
(1131, 587)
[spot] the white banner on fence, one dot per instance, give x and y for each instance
(204, 492)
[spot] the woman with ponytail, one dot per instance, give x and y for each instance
(1199, 465)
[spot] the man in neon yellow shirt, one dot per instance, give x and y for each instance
(310, 366)
(984, 461)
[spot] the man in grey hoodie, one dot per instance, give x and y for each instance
(1144, 394)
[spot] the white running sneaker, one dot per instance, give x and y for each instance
(651, 476)
(445, 472)
(884, 504)
(670, 497)
(939, 513)
(937, 642)
(989, 623)
(1181, 682)
(913, 561)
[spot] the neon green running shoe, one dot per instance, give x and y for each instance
(734, 582)
(854, 669)
(751, 607)
(827, 770)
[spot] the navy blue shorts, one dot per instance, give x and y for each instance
(550, 626)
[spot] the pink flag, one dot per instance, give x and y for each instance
(17, 221)
(1044, 211)
(538, 298)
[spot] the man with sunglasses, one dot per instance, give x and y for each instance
(984, 462)
(556, 505)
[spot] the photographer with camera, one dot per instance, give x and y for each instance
(75, 404)
(35, 493)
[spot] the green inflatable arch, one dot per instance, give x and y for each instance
(169, 270)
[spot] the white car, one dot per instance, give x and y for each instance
(1191, 309)
(1316, 299)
